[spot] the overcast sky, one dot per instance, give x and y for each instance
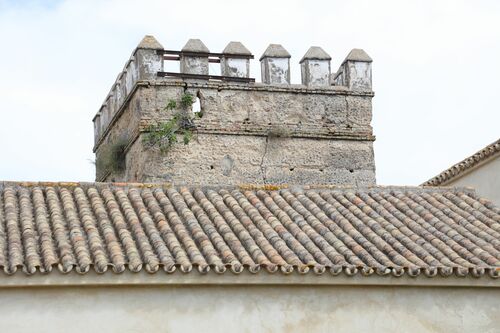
(436, 71)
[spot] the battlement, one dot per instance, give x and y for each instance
(327, 110)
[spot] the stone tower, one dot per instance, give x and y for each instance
(194, 128)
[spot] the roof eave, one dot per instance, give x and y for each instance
(142, 278)
(466, 165)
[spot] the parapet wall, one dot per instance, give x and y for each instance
(269, 132)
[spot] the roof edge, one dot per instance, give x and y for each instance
(242, 187)
(460, 168)
(142, 278)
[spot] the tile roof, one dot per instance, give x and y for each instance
(461, 167)
(373, 231)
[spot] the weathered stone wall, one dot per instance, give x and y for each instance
(274, 132)
(218, 159)
(250, 134)
(250, 309)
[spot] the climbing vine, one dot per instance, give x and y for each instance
(165, 134)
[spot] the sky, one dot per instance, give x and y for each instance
(436, 71)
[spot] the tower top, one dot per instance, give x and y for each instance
(197, 127)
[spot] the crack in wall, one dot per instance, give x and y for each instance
(347, 108)
(262, 168)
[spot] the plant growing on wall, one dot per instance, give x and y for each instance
(187, 100)
(111, 159)
(165, 134)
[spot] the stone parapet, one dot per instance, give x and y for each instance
(324, 130)
(142, 65)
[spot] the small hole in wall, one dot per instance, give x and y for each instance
(351, 170)
(291, 169)
(211, 167)
(320, 170)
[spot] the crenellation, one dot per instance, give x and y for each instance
(355, 72)
(146, 54)
(122, 86)
(149, 60)
(130, 75)
(275, 65)
(109, 110)
(191, 63)
(117, 99)
(146, 61)
(97, 127)
(270, 132)
(338, 78)
(105, 114)
(315, 67)
(232, 63)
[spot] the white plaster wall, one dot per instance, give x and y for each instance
(236, 67)
(360, 74)
(279, 70)
(485, 179)
(319, 72)
(250, 309)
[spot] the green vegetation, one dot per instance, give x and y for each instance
(171, 105)
(186, 100)
(164, 135)
(112, 157)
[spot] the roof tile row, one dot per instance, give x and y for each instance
(372, 231)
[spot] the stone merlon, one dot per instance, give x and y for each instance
(315, 53)
(232, 64)
(275, 51)
(272, 132)
(275, 65)
(195, 45)
(149, 42)
(236, 48)
(355, 72)
(315, 67)
(358, 55)
(194, 64)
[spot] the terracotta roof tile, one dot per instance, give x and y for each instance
(323, 230)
